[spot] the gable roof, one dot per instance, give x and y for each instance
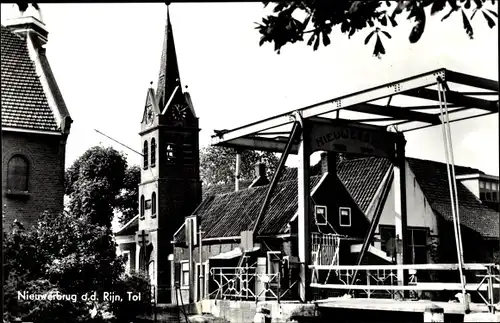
(432, 178)
(25, 101)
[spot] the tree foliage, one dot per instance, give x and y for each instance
(322, 16)
(99, 182)
(63, 253)
(67, 254)
(218, 164)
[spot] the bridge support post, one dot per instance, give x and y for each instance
(401, 220)
(304, 193)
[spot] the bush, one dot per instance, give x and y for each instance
(136, 284)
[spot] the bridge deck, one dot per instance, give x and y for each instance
(397, 305)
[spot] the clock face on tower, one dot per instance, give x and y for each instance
(149, 115)
(179, 112)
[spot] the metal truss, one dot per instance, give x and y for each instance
(480, 99)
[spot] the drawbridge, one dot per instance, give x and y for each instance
(373, 122)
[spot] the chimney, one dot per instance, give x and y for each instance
(329, 162)
(260, 175)
(28, 22)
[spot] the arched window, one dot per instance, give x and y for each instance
(142, 207)
(145, 154)
(17, 173)
(153, 205)
(170, 153)
(153, 152)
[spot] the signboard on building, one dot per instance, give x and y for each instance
(343, 137)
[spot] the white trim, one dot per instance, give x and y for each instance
(125, 239)
(342, 208)
(127, 224)
(478, 176)
(40, 132)
(43, 81)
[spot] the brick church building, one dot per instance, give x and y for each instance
(170, 173)
(35, 122)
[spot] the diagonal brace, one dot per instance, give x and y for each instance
(296, 131)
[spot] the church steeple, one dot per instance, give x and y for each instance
(169, 76)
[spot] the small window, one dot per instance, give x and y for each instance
(494, 186)
(488, 185)
(17, 174)
(320, 214)
(345, 216)
(185, 273)
(482, 196)
(481, 184)
(153, 152)
(142, 207)
(488, 196)
(145, 154)
(494, 196)
(170, 153)
(153, 205)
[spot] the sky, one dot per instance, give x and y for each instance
(104, 57)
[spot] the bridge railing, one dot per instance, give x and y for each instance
(375, 281)
(245, 283)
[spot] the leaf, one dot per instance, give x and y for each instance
(479, 3)
(370, 23)
(493, 12)
(344, 27)
(453, 4)
(306, 22)
(383, 21)
(379, 48)
(473, 14)
(467, 4)
(326, 39)
(393, 21)
(316, 43)
(367, 39)
(388, 3)
(467, 26)
(437, 6)
(310, 41)
(386, 34)
(491, 22)
(418, 29)
(448, 14)
(352, 31)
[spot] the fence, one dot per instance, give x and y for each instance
(245, 283)
(382, 281)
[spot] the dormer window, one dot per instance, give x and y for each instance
(345, 216)
(153, 152)
(145, 154)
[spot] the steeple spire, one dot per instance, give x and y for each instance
(169, 76)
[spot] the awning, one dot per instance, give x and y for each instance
(236, 252)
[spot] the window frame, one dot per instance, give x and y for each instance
(142, 207)
(11, 183)
(345, 208)
(153, 153)
(145, 155)
(325, 219)
(184, 282)
(153, 204)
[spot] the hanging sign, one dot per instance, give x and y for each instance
(339, 136)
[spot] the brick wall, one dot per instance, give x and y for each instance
(46, 158)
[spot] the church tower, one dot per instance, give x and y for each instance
(170, 187)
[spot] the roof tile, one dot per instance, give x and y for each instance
(24, 103)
